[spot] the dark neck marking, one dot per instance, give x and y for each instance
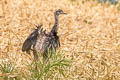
(55, 27)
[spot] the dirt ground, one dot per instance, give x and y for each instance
(89, 34)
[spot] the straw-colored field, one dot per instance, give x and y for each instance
(89, 34)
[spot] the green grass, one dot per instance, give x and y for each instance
(54, 67)
(8, 71)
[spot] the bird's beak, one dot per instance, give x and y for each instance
(64, 13)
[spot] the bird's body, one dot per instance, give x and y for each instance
(40, 42)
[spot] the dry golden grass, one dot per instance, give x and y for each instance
(89, 34)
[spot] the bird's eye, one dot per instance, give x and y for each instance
(61, 11)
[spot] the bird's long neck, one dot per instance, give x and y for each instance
(55, 27)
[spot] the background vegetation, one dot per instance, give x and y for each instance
(89, 35)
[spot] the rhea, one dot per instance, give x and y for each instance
(40, 42)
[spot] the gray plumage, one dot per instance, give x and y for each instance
(40, 42)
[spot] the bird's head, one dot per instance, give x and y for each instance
(59, 11)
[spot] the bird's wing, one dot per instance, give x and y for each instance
(30, 41)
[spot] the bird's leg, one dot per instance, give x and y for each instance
(35, 58)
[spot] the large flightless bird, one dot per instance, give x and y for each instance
(40, 42)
